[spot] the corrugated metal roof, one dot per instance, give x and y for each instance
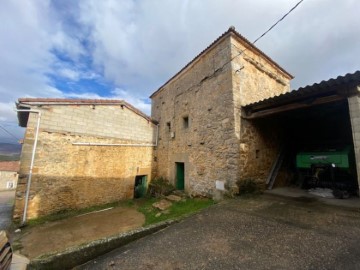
(245, 41)
(309, 90)
(66, 101)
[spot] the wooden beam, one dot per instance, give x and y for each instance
(293, 106)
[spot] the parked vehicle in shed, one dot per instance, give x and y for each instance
(328, 168)
(5, 251)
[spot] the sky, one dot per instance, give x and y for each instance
(126, 49)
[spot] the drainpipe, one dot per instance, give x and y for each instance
(32, 161)
(121, 144)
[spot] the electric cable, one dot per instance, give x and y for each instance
(9, 133)
(283, 17)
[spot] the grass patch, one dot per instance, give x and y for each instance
(75, 212)
(178, 209)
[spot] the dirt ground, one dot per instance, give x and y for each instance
(58, 235)
(265, 232)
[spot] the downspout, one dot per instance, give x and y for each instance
(31, 163)
(121, 144)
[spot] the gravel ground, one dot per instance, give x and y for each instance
(265, 232)
(6, 205)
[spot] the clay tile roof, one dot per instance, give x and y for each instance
(68, 101)
(247, 44)
(10, 166)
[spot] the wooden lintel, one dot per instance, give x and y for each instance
(293, 106)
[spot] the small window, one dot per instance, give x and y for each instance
(186, 121)
(168, 124)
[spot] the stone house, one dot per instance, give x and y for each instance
(227, 115)
(8, 174)
(88, 152)
(201, 130)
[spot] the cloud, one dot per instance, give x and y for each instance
(69, 74)
(141, 103)
(126, 49)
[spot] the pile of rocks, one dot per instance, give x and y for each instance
(164, 204)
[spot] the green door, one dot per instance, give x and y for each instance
(180, 175)
(140, 186)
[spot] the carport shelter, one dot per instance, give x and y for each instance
(317, 122)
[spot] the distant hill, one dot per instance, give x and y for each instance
(10, 151)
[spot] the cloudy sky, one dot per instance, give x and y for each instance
(126, 49)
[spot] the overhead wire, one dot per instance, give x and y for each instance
(267, 31)
(243, 51)
(283, 17)
(9, 133)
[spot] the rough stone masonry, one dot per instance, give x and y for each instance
(67, 175)
(199, 115)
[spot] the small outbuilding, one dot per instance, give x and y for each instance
(81, 152)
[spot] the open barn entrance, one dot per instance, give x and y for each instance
(305, 138)
(319, 150)
(308, 148)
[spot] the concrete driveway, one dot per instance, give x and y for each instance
(6, 206)
(266, 232)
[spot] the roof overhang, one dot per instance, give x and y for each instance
(324, 92)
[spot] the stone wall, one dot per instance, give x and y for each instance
(210, 92)
(259, 145)
(354, 110)
(68, 176)
(112, 121)
(8, 179)
(209, 147)
(254, 77)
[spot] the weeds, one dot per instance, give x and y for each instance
(159, 187)
(178, 209)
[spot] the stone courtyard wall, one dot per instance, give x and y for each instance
(68, 176)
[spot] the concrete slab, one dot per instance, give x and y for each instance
(58, 235)
(19, 262)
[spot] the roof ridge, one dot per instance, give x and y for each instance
(229, 31)
(70, 100)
